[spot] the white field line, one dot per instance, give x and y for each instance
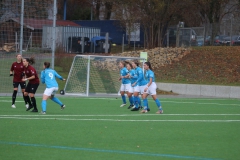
(117, 120)
(122, 115)
(177, 102)
(119, 97)
(8, 101)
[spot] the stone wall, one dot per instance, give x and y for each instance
(159, 56)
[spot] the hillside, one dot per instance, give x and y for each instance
(205, 65)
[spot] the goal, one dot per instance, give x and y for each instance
(95, 75)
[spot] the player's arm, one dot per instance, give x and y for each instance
(140, 77)
(59, 77)
(128, 75)
(42, 77)
(29, 78)
(150, 82)
(11, 71)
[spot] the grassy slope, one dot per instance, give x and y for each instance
(205, 65)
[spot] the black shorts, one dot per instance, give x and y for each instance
(31, 88)
(22, 84)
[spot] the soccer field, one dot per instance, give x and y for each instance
(97, 128)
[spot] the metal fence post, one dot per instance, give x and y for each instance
(123, 43)
(177, 37)
(106, 43)
(231, 32)
(54, 32)
(21, 30)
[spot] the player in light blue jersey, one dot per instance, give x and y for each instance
(48, 76)
(132, 89)
(125, 86)
(140, 81)
(150, 89)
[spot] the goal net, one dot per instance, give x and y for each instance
(95, 75)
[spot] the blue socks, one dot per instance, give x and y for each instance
(145, 103)
(131, 100)
(136, 100)
(124, 99)
(44, 105)
(139, 101)
(56, 100)
(158, 103)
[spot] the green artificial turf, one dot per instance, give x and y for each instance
(97, 128)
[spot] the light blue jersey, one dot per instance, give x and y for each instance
(133, 78)
(149, 74)
(140, 78)
(48, 77)
(124, 72)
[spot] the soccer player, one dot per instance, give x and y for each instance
(140, 81)
(48, 76)
(33, 82)
(150, 88)
(17, 71)
(124, 77)
(132, 89)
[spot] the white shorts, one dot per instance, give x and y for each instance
(125, 87)
(152, 89)
(50, 91)
(134, 89)
(142, 89)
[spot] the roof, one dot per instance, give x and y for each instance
(39, 23)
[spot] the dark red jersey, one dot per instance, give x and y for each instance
(17, 69)
(29, 72)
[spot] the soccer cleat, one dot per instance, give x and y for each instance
(13, 106)
(62, 107)
(122, 105)
(30, 107)
(34, 110)
(134, 109)
(129, 107)
(27, 105)
(141, 107)
(159, 112)
(148, 109)
(144, 111)
(42, 112)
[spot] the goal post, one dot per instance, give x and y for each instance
(92, 75)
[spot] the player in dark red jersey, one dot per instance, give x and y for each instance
(17, 71)
(33, 83)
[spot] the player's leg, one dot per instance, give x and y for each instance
(145, 103)
(44, 104)
(130, 96)
(136, 101)
(140, 101)
(14, 95)
(158, 103)
(122, 91)
(23, 86)
(26, 96)
(55, 99)
(32, 96)
(128, 91)
(152, 90)
(46, 94)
